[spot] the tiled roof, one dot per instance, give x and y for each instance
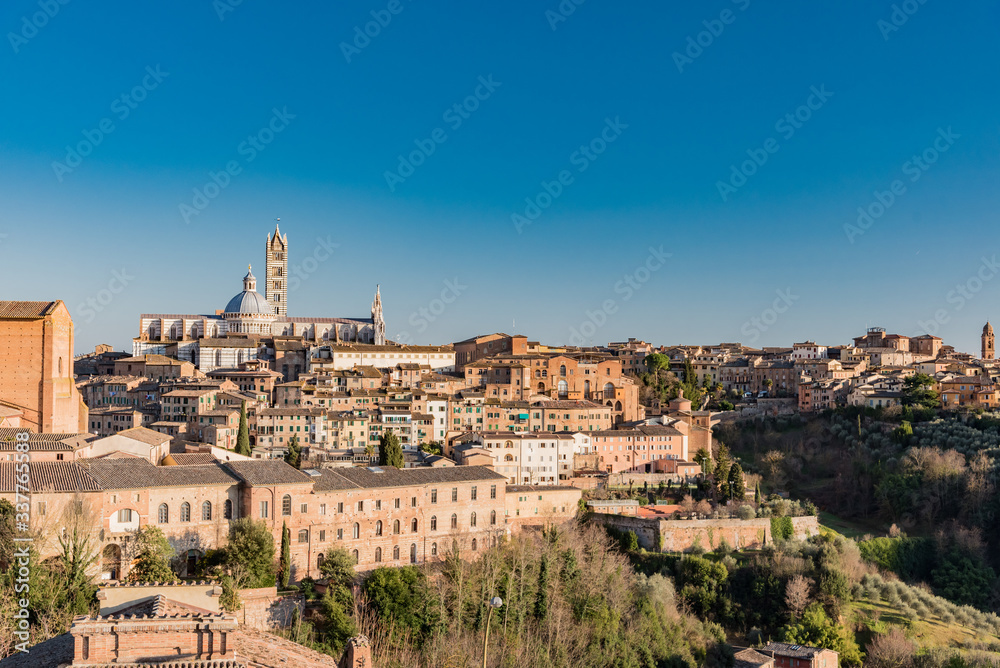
(541, 488)
(389, 476)
(794, 651)
(750, 658)
(267, 472)
(189, 458)
(20, 310)
(143, 435)
(328, 480)
(50, 477)
(139, 474)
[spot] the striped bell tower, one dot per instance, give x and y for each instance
(276, 271)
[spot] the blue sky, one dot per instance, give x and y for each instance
(641, 137)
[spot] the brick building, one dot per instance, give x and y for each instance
(36, 366)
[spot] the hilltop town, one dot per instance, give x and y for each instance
(343, 444)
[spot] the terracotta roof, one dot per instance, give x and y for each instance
(750, 658)
(139, 474)
(786, 649)
(50, 477)
(143, 435)
(188, 459)
(21, 310)
(265, 472)
(328, 480)
(389, 476)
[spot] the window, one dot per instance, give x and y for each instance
(454, 494)
(395, 552)
(322, 509)
(378, 504)
(356, 532)
(493, 518)
(286, 505)
(378, 528)
(263, 509)
(493, 491)
(378, 555)
(397, 503)
(340, 507)
(304, 508)
(206, 511)
(163, 514)
(125, 515)
(413, 553)
(454, 521)
(413, 525)
(434, 496)
(361, 506)
(434, 522)
(303, 535)
(473, 544)
(434, 549)
(340, 534)
(472, 520)
(413, 502)
(227, 510)
(473, 493)
(185, 512)
(322, 537)
(355, 555)
(395, 527)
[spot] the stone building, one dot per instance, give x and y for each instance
(36, 366)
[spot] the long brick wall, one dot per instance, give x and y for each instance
(658, 535)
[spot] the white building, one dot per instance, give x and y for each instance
(528, 458)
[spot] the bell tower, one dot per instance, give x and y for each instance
(989, 346)
(276, 271)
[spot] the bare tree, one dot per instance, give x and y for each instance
(797, 595)
(891, 650)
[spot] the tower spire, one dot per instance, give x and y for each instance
(377, 320)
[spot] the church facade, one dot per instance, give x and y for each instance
(252, 326)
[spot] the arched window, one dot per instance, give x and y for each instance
(454, 521)
(378, 528)
(395, 552)
(618, 405)
(562, 369)
(355, 555)
(173, 332)
(286, 505)
(434, 549)
(563, 388)
(508, 457)
(434, 523)
(493, 518)
(163, 515)
(378, 555)
(541, 387)
(185, 512)
(319, 560)
(474, 544)
(356, 532)
(206, 511)
(395, 527)
(218, 358)
(609, 391)
(303, 535)
(227, 509)
(413, 525)
(472, 521)
(413, 553)
(194, 331)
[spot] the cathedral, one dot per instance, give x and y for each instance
(253, 326)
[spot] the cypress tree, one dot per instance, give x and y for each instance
(286, 556)
(243, 438)
(737, 485)
(390, 452)
(542, 595)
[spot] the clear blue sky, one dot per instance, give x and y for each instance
(679, 129)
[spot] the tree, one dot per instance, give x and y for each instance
(797, 595)
(918, 391)
(243, 437)
(737, 485)
(250, 553)
(703, 459)
(768, 383)
(816, 629)
(432, 448)
(152, 553)
(890, 650)
(657, 361)
(723, 462)
(542, 592)
(756, 493)
(293, 455)
(338, 569)
(338, 626)
(390, 452)
(285, 569)
(78, 547)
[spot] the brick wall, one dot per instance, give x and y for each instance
(264, 610)
(683, 535)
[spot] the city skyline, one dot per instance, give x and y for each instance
(593, 120)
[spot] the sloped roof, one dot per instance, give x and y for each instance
(18, 310)
(263, 472)
(51, 477)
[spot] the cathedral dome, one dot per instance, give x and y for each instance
(249, 301)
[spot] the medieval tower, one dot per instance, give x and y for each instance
(276, 272)
(989, 347)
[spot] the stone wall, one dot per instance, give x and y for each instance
(657, 535)
(263, 609)
(204, 595)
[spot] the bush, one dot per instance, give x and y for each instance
(745, 512)
(781, 528)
